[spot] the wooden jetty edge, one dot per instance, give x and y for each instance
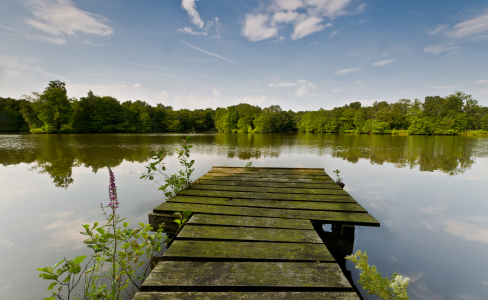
(254, 234)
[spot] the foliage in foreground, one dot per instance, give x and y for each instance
(371, 280)
(122, 256)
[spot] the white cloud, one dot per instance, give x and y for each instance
(216, 93)
(383, 62)
(305, 88)
(306, 17)
(384, 54)
(162, 95)
(250, 100)
(346, 71)
(206, 52)
(336, 90)
(60, 17)
(307, 27)
(6, 243)
(359, 81)
(282, 84)
(439, 48)
(470, 27)
(256, 28)
(438, 29)
(482, 81)
(214, 23)
(191, 8)
(468, 231)
(432, 210)
(333, 33)
(136, 85)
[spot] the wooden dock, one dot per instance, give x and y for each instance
(254, 234)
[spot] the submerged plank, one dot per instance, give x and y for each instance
(276, 196)
(249, 251)
(325, 185)
(326, 206)
(246, 295)
(247, 274)
(324, 216)
(249, 234)
(204, 219)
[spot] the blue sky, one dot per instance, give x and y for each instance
(300, 54)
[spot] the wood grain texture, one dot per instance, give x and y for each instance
(316, 185)
(204, 219)
(267, 178)
(246, 296)
(202, 250)
(249, 234)
(300, 205)
(247, 274)
(272, 196)
(282, 190)
(324, 216)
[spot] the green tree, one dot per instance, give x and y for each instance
(53, 106)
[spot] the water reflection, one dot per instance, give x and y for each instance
(56, 155)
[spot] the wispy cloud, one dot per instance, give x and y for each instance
(305, 88)
(61, 18)
(346, 71)
(282, 84)
(212, 24)
(482, 81)
(206, 52)
(383, 62)
(191, 8)
(439, 48)
(447, 87)
(469, 27)
(216, 93)
(306, 17)
(438, 29)
(468, 231)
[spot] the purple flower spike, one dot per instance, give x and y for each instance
(112, 191)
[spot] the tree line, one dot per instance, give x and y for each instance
(53, 112)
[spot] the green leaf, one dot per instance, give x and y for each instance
(95, 225)
(86, 226)
(51, 286)
(125, 224)
(187, 213)
(100, 230)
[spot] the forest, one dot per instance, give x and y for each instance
(54, 112)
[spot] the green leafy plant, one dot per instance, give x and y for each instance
(338, 177)
(173, 182)
(249, 166)
(121, 256)
(371, 280)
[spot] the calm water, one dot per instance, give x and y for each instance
(429, 193)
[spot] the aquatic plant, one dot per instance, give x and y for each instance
(173, 182)
(122, 256)
(371, 280)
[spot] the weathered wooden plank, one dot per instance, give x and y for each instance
(270, 196)
(249, 234)
(317, 206)
(270, 176)
(268, 171)
(270, 190)
(249, 251)
(246, 296)
(324, 185)
(246, 274)
(323, 216)
(204, 219)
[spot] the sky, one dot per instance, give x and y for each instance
(299, 54)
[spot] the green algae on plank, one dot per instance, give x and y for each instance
(246, 296)
(247, 274)
(271, 196)
(348, 218)
(249, 234)
(292, 190)
(267, 171)
(325, 185)
(317, 206)
(229, 250)
(270, 176)
(204, 219)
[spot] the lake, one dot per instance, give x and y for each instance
(428, 192)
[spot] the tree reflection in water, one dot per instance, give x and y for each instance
(56, 155)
